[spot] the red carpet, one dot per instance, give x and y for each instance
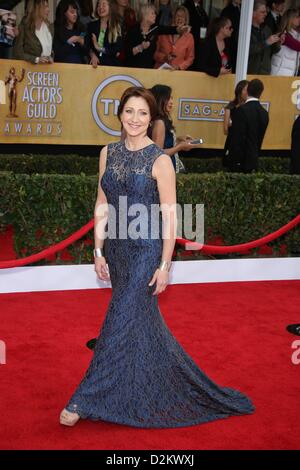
(235, 332)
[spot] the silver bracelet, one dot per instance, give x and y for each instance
(164, 266)
(98, 253)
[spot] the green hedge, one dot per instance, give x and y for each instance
(50, 164)
(45, 209)
(74, 164)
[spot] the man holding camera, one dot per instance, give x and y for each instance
(262, 43)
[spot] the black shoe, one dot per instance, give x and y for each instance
(294, 329)
(91, 343)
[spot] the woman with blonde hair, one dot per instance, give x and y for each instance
(127, 18)
(142, 39)
(34, 42)
(286, 61)
(126, 14)
(176, 50)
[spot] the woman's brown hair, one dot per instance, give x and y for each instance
(138, 92)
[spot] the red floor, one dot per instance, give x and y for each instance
(235, 332)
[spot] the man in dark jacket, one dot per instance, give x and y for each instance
(262, 42)
(233, 12)
(248, 130)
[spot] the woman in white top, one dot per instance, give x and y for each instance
(34, 42)
(286, 61)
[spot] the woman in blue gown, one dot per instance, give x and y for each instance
(140, 375)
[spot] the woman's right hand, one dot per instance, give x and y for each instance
(44, 59)
(184, 146)
(146, 44)
(95, 42)
(94, 61)
(101, 268)
(224, 71)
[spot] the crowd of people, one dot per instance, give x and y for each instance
(180, 38)
(173, 34)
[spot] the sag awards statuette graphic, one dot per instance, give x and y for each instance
(11, 81)
(33, 110)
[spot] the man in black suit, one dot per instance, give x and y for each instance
(248, 129)
(198, 19)
(295, 149)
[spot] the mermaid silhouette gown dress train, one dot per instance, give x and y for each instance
(139, 374)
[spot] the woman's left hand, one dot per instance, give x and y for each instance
(161, 278)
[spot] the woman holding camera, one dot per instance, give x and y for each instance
(286, 61)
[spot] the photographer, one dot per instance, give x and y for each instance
(263, 44)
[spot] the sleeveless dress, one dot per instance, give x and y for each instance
(139, 374)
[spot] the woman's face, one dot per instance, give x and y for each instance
(103, 8)
(180, 19)
(169, 105)
(227, 29)
(71, 15)
(295, 22)
(44, 10)
(136, 116)
(150, 16)
(244, 94)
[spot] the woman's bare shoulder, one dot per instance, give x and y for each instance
(162, 166)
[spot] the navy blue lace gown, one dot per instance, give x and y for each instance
(140, 375)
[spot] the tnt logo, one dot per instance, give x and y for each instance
(106, 99)
(2, 352)
(296, 354)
